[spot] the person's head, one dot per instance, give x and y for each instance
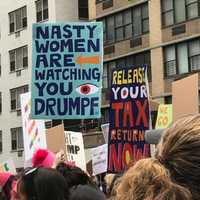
(43, 158)
(7, 184)
(149, 180)
(112, 180)
(179, 152)
(42, 184)
(86, 192)
(73, 175)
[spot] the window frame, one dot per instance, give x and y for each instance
(16, 131)
(23, 26)
(42, 11)
(14, 51)
(16, 92)
(176, 59)
(173, 11)
(124, 25)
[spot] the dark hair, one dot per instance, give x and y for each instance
(8, 187)
(43, 184)
(86, 192)
(74, 175)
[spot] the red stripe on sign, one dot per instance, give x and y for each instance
(32, 126)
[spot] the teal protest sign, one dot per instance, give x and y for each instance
(67, 68)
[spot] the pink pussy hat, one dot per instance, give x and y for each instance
(43, 158)
(4, 176)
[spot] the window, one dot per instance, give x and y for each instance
(42, 12)
(194, 55)
(0, 102)
(170, 61)
(1, 142)
(182, 58)
(18, 58)
(176, 11)
(17, 142)
(105, 76)
(15, 97)
(132, 22)
(83, 9)
(192, 8)
(129, 61)
(18, 19)
(168, 99)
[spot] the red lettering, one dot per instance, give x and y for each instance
(117, 107)
(141, 113)
(128, 113)
(115, 161)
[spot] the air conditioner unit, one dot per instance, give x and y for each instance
(18, 72)
(19, 113)
(17, 34)
(20, 153)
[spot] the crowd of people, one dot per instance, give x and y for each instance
(173, 174)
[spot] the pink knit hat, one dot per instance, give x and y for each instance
(43, 158)
(4, 176)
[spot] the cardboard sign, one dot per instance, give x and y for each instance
(56, 138)
(185, 93)
(129, 118)
(8, 166)
(164, 118)
(67, 70)
(33, 130)
(100, 159)
(75, 149)
(105, 131)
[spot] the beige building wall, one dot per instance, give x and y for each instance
(92, 9)
(156, 51)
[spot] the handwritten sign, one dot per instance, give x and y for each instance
(129, 118)
(100, 159)
(8, 166)
(33, 130)
(164, 118)
(75, 149)
(67, 69)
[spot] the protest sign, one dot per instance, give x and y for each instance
(8, 166)
(33, 130)
(56, 138)
(164, 118)
(189, 101)
(129, 118)
(67, 70)
(105, 131)
(99, 159)
(75, 149)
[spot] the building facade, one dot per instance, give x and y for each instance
(165, 34)
(16, 19)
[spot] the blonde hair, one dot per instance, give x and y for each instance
(179, 152)
(149, 180)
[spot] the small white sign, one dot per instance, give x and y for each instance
(100, 159)
(33, 130)
(75, 149)
(8, 166)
